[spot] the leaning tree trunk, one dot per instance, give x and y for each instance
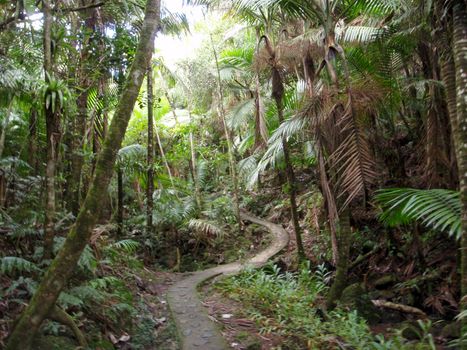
(460, 60)
(53, 136)
(150, 162)
(63, 265)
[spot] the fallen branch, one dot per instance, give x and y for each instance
(399, 307)
(362, 258)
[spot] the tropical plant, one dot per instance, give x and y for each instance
(439, 209)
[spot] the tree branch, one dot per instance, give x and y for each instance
(81, 8)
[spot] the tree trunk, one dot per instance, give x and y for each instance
(63, 265)
(32, 141)
(119, 202)
(164, 158)
(53, 137)
(193, 165)
(340, 280)
(5, 126)
(291, 182)
(233, 168)
(150, 164)
(79, 129)
(460, 60)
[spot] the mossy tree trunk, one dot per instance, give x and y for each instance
(460, 60)
(119, 201)
(64, 263)
(150, 159)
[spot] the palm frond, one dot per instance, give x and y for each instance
(361, 34)
(209, 228)
(439, 209)
(127, 245)
(241, 114)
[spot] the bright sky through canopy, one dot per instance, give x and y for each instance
(172, 48)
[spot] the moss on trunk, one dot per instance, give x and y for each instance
(460, 60)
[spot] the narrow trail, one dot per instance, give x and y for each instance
(196, 329)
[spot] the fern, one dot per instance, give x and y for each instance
(127, 245)
(27, 283)
(11, 264)
(88, 294)
(105, 282)
(436, 208)
(66, 300)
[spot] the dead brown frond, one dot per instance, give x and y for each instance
(352, 163)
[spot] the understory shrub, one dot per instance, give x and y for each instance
(290, 305)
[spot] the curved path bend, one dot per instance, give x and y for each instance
(195, 328)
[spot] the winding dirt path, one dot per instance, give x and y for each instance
(195, 328)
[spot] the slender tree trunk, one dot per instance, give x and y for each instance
(79, 130)
(330, 204)
(64, 263)
(164, 158)
(448, 74)
(291, 184)
(5, 126)
(53, 136)
(460, 60)
(77, 159)
(119, 202)
(340, 281)
(32, 141)
(150, 164)
(194, 170)
(233, 168)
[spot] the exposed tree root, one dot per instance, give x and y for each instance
(60, 315)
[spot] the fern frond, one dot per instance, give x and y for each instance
(66, 300)
(10, 264)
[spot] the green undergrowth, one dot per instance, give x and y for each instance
(290, 305)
